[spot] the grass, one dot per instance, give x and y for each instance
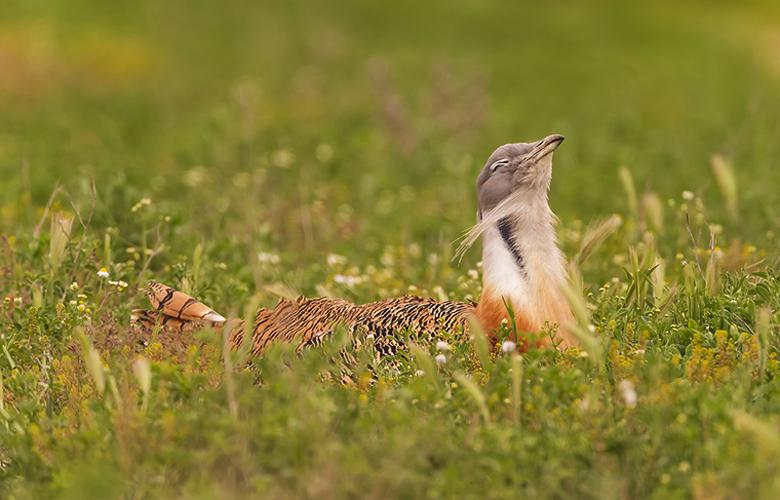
(254, 150)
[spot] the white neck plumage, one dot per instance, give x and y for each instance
(523, 266)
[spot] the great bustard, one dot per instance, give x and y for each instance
(522, 268)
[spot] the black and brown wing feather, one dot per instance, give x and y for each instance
(307, 322)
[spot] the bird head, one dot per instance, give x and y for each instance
(522, 166)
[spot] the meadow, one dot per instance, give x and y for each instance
(251, 150)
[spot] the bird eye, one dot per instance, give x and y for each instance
(499, 163)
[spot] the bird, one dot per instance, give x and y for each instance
(523, 280)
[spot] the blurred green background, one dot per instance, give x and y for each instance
(244, 150)
(318, 125)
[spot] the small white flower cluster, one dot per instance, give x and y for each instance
(349, 281)
(104, 274)
(442, 347)
(119, 284)
(143, 202)
(81, 305)
(335, 260)
(268, 258)
(508, 346)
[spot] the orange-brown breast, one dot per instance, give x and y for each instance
(492, 311)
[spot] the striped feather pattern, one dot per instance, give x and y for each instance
(308, 322)
(179, 305)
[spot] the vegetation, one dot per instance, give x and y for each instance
(253, 149)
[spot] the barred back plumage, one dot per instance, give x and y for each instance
(308, 322)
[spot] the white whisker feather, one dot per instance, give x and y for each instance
(513, 205)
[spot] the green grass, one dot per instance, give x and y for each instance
(282, 147)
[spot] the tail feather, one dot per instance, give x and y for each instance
(149, 320)
(180, 306)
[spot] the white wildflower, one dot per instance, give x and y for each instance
(627, 392)
(335, 259)
(687, 195)
(442, 346)
(473, 274)
(419, 373)
(74, 286)
(103, 273)
(440, 359)
(120, 285)
(348, 281)
(508, 346)
(268, 258)
(143, 202)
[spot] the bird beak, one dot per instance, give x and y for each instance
(554, 139)
(546, 146)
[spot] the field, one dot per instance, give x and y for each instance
(251, 150)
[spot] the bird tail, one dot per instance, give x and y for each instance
(176, 310)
